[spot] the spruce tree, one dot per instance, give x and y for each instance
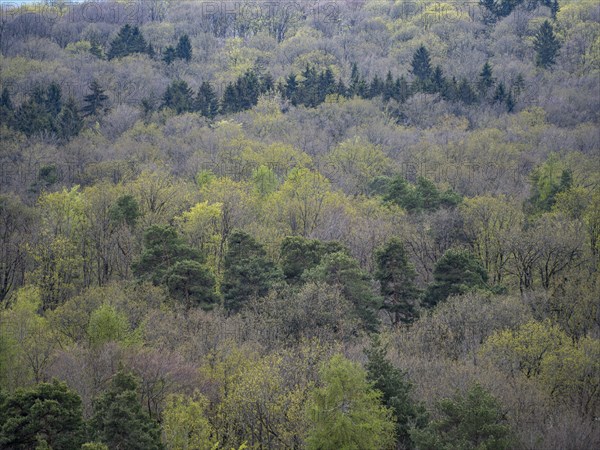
(396, 392)
(230, 102)
(207, 103)
(184, 48)
(7, 112)
(486, 79)
(129, 40)
(437, 82)
(388, 87)
(69, 121)
(53, 99)
(46, 414)
(396, 276)
(290, 89)
(248, 273)
(118, 419)
(546, 46)
(421, 64)
(179, 97)
(169, 55)
(465, 92)
(96, 50)
(95, 102)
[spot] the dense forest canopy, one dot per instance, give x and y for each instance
(362, 224)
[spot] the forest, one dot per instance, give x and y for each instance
(323, 225)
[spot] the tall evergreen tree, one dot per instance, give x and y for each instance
(119, 421)
(53, 99)
(207, 103)
(421, 64)
(69, 121)
(48, 414)
(96, 50)
(230, 102)
(290, 89)
(388, 87)
(486, 79)
(129, 40)
(248, 273)
(546, 46)
(179, 97)
(7, 111)
(396, 276)
(437, 82)
(456, 272)
(184, 48)
(169, 55)
(396, 392)
(95, 102)
(465, 92)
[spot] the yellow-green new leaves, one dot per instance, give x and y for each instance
(185, 425)
(568, 371)
(346, 412)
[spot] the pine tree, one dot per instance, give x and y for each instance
(437, 82)
(179, 97)
(486, 79)
(118, 419)
(355, 80)
(95, 102)
(230, 102)
(465, 92)
(291, 89)
(500, 93)
(7, 112)
(47, 414)
(375, 87)
(192, 284)
(396, 392)
(96, 50)
(207, 103)
(184, 48)
(510, 103)
(396, 276)
(53, 99)
(69, 121)
(456, 272)
(169, 55)
(128, 41)
(388, 87)
(421, 64)
(32, 118)
(402, 90)
(248, 273)
(546, 46)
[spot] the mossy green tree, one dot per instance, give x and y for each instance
(345, 412)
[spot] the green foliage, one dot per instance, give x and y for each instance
(95, 101)
(125, 210)
(546, 46)
(456, 272)
(163, 248)
(179, 97)
(69, 121)
(342, 271)
(107, 325)
(474, 420)
(47, 414)
(346, 413)
(192, 284)
(422, 196)
(118, 419)
(128, 41)
(206, 102)
(396, 276)
(421, 64)
(248, 273)
(547, 181)
(184, 48)
(396, 392)
(185, 424)
(299, 254)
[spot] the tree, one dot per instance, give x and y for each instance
(342, 271)
(129, 40)
(163, 248)
(179, 97)
(248, 273)
(546, 46)
(207, 102)
(486, 78)
(185, 424)
(169, 55)
(125, 210)
(192, 284)
(184, 48)
(421, 64)
(69, 121)
(474, 420)
(456, 272)
(396, 276)
(95, 102)
(47, 414)
(299, 254)
(118, 419)
(346, 411)
(396, 392)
